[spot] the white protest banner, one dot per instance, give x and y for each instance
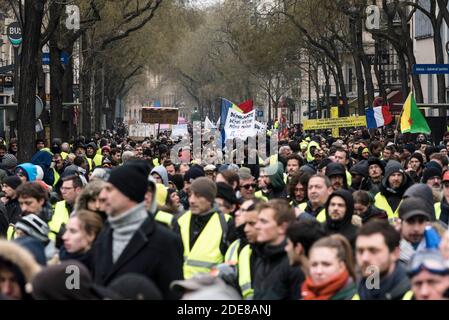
(259, 126)
(179, 130)
(240, 125)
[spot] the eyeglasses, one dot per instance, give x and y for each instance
(249, 186)
(431, 261)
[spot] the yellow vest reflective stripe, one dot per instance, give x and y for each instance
(381, 203)
(285, 178)
(10, 232)
(244, 273)
(156, 162)
(165, 218)
(64, 155)
(321, 217)
(231, 255)
(437, 207)
(99, 151)
(60, 217)
(205, 253)
(259, 195)
(408, 295)
(56, 175)
(97, 160)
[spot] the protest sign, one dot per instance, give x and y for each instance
(240, 125)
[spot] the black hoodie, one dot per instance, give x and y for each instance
(337, 169)
(394, 196)
(343, 226)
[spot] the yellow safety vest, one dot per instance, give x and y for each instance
(348, 178)
(321, 217)
(231, 255)
(97, 160)
(164, 218)
(56, 175)
(244, 273)
(381, 203)
(259, 195)
(156, 162)
(437, 207)
(10, 232)
(64, 155)
(205, 253)
(89, 160)
(60, 217)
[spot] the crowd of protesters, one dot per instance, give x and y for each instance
(360, 217)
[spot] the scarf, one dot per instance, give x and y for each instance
(324, 291)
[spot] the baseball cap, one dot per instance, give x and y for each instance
(411, 207)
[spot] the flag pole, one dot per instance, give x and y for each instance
(399, 121)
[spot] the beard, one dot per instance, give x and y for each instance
(437, 194)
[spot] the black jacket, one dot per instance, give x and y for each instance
(394, 196)
(373, 213)
(13, 210)
(4, 224)
(343, 226)
(153, 251)
(273, 277)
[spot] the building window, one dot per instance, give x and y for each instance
(423, 25)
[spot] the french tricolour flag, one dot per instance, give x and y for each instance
(378, 116)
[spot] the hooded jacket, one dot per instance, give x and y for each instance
(424, 193)
(277, 184)
(30, 170)
(394, 196)
(162, 172)
(361, 169)
(343, 226)
(337, 169)
(44, 159)
(22, 262)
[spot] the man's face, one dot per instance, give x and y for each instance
(395, 180)
(250, 218)
(115, 201)
(171, 169)
(446, 189)
(30, 205)
(268, 231)
(9, 287)
(139, 151)
(293, 252)
(183, 168)
(157, 178)
(317, 191)
(247, 188)
(14, 147)
(199, 204)
(80, 152)
(224, 206)
(429, 286)
(375, 171)
(40, 145)
(434, 182)
(117, 157)
(337, 182)
(263, 180)
(59, 162)
(337, 208)
(286, 152)
(414, 164)
(412, 229)
(299, 192)
(373, 251)
(90, 151)
(292, 166)
(340, 157)
(9, 192)
(69, 192)
(2, 153)
(387, 154)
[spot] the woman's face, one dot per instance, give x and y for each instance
(175, 198)
(75, 238)
(324, 264)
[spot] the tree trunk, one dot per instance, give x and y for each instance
(366, 66)
(344, 110)
(67, 96)
(34, 11)
(356, 55)
(56, 77)
(85, 79)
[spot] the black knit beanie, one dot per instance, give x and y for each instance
(131, 179)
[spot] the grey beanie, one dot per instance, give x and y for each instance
(9, 161)
(204, 187)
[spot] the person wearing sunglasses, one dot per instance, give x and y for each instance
(429, 275)
(247, 185)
